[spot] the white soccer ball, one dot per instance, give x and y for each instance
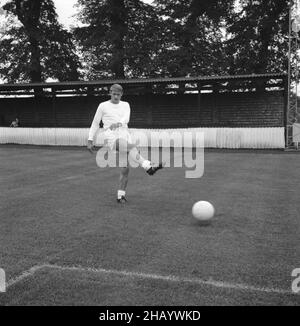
(203, 210)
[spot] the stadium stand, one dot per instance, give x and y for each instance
(234, 111)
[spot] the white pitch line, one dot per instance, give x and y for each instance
(166, 278)
(24, 275)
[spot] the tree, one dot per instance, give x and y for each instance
(192, 36)
(39, 48)
(117, 39)
(258, 41)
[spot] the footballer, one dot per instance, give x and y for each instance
(115, 116)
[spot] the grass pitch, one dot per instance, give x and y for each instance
(65, 241)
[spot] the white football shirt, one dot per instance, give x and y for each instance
(110, 113)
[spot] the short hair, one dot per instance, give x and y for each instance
(116, 87)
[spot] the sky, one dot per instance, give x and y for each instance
(65, 10)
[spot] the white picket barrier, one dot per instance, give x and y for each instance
(231, 138)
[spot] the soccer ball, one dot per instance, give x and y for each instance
(203, 210)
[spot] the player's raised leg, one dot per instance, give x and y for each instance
(123, 146)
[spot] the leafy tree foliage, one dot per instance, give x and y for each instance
(129, 38)
(118, 38)
(259, 37)
(192, 37)
(39, 47)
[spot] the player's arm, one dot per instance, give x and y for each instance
(94, 128)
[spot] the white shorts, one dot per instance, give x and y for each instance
(110, 136)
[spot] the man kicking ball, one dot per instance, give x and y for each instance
(115, 115)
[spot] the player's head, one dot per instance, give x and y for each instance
(116, 92)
